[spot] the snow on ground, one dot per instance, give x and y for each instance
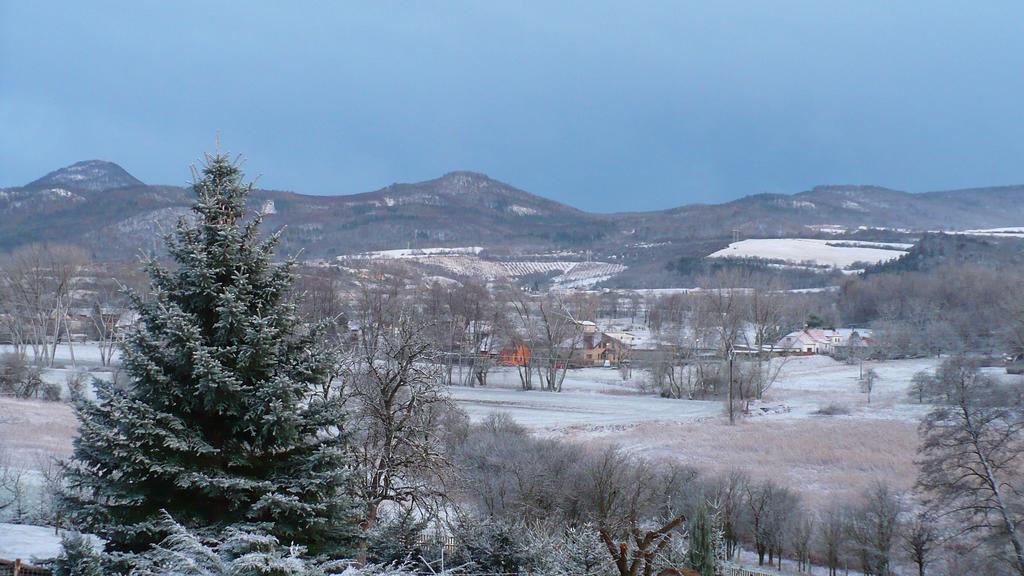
(32, 432)
(466, 261)
(591, 399)
(31, 542)
(1010, 232)
(821, 252)
(82, 354)
(28, 542)
(413, 253)
(80, 361)
(596, 397)
(823, 457)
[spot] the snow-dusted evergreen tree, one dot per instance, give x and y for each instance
(77, 557)
(578, 551)
(242, 550)
(493, 545)
(219, 424)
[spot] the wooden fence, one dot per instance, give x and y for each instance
(17, 568)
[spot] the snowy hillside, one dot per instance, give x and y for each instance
(830, 253)
(467, 262)
(1010, 232)
(90, 175)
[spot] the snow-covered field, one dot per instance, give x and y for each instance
(413, 253)
(28, 542)
(1011, 232)
(85, 355)
(823, 457)
(832, 253)
(591, 399)
(31, 542)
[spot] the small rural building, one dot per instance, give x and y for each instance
(515, 355)
(824, 341)
(605, 349)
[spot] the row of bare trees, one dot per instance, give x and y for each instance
(47, 292)
(719, 340)
(37, 284)
(641, 510)
(954, 309)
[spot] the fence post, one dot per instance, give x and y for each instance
(17, 566)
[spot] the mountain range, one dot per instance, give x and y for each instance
(101, 207)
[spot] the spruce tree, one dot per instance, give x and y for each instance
(218, 424)
(77, 557)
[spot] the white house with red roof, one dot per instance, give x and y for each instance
(823, 341)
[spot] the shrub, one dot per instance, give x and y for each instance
(12, 372)
(833, 409)
(32, 383)
(18, 378)
(51, 391)
(76, 383)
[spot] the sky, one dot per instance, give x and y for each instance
(605, 106)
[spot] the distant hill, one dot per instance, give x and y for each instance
(101, 207)
(90, 176)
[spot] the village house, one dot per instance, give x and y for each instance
(606, 348)
(825, 341)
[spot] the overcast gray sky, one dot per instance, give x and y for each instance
(606, 106)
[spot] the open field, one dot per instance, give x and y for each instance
(832, 253)
(32, 431)
(1011, 232)
(823, 456)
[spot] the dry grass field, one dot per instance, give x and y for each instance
(33, 431)
(824, 457)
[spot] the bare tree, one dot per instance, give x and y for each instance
(14, 483)
(768, 509)
(920, 538)
(972, 443)
(107, 305)
(39, 282)
(801, 532)
(507, 472)
(397, 401)
(730, 497)
(723, 304)
(758, 500)
(621, 493)
(768, 323)
(874, 528)
(867, 382)
(781, 514)
(833, 538)
(920, 383)
(551, 331)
